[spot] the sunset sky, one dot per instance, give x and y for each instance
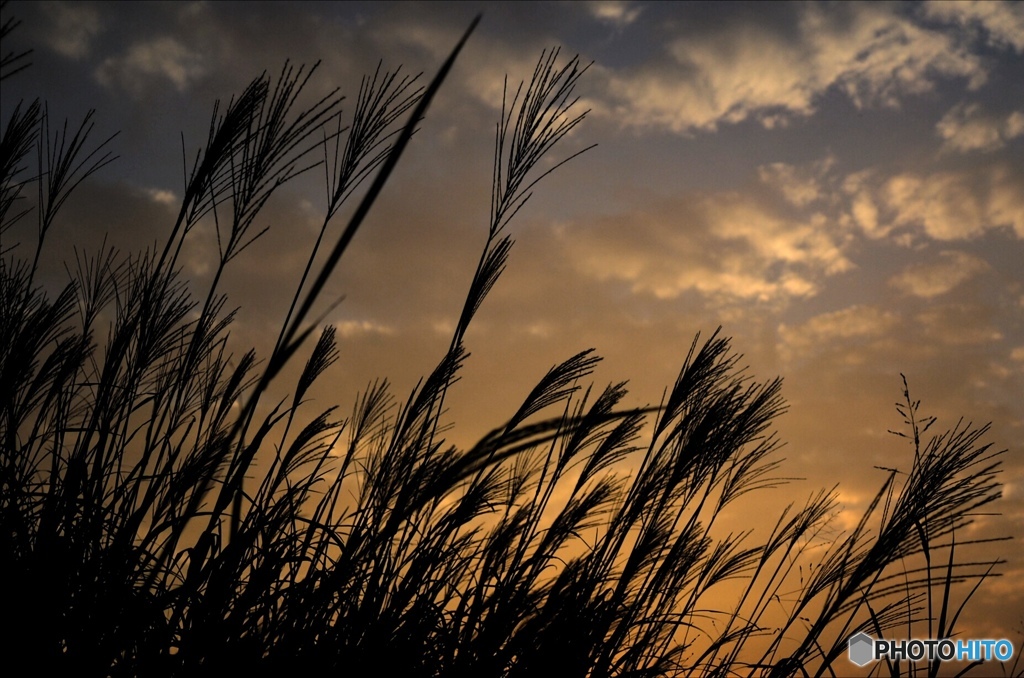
(839, 186)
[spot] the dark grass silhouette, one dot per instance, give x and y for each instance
(168, 508)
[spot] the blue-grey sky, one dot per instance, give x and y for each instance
(839, 185)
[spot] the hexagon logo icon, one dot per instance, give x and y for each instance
(860, 649)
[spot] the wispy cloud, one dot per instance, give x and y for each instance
(74, 28)
(1002, 22)
(943, 205)
(348, 329)
(967, 127)
(614, 12)
(958, 325)
(729, 245)
(873, 54)
(158, 60)
(799, 185)
(935, 279)
(841, 331)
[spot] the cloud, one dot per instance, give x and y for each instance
(799, 186)
(846, 327)
(943, 203)
(162, 196)
(74, 28)
(1013, 126)
(1002, 21)
(483, 69)
(616, 13)
(947, 205)
(957, 325)
(966, 127)
(863, 207)
(932, 280)
(871, 53)
(348, 329)
(668, 259)
(729, 246)
(162, 58)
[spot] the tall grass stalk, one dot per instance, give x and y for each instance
(168, 508)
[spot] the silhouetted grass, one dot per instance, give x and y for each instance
(169, 508)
